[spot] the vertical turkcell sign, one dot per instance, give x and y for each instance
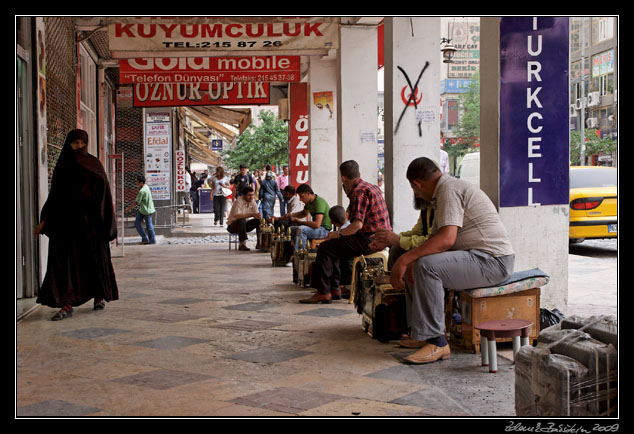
(534, 136)
(299, 134)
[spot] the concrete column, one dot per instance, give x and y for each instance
(409, 43)
(357, 102)
(324, 170)
(539, 234)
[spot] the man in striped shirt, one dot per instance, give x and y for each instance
(367, 214)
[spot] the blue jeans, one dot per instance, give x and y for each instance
(150, 228)
(306, 233)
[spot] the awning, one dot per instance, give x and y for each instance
(221, 120)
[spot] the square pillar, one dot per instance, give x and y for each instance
(524, 140)
(412, 128)
(357, 102)
(322, 95)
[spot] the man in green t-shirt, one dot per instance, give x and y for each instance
(146, 209)
(320, 224)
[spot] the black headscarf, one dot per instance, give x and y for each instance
(80, 192)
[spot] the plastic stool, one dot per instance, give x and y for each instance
(518, 329)
(233, 238)
(384, 254)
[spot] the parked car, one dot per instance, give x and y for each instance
(469, 168)
(593, 202)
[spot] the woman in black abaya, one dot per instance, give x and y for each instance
(79, 219)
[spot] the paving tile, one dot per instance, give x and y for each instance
(162, 379)
(326, 312)
(401, 372)
(170, 342)
(250, 307)
(268, 355)
(287, 400)
(92, 333)
(182, 301)
(433, 399)
(249, 325)
(55, 407)
(170, 317)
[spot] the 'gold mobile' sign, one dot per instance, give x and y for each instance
(129, 36)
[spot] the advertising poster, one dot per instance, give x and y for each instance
(534, 135)
(158, 161)
(209, 69)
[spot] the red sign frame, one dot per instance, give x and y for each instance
(299, 135)
(195, 94)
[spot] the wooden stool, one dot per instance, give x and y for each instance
(233, 238)
(517, 329)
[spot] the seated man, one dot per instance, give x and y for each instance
(368, 214)
(318, 209)
(244, 216)
(469, 248)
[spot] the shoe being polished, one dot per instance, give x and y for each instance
(429, 353)
(318, 298)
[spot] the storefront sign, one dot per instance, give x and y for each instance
(534, 142)
(298, 134)
(603, 63)
(209, 69)
(129, 36)
(193, 94)
(180, 170)
(158, 153)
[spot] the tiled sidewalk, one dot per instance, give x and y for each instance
(200, 330)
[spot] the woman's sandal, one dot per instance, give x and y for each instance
(99, 305)
(63, 313)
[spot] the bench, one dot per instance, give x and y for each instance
(516, 298)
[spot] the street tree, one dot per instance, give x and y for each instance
(257, 146)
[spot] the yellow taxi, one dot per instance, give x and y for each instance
(593, 202)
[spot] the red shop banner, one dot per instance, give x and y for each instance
(193, 94)
(209, 69)
(298, 134)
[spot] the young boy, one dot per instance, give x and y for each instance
(338, 217)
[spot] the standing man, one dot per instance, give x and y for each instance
(244, 217)
(468, 248)
(368, 214)
(243, 180)
(269, 190)
(146, 209)
(282, 182)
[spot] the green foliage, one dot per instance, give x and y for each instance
(468, 129)
(261, 145)
(594, 145)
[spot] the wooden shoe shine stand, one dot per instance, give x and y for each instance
(516, 299)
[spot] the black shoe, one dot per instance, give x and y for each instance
(62, 314)
(99, 305)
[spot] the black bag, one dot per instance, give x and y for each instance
(549, 318)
